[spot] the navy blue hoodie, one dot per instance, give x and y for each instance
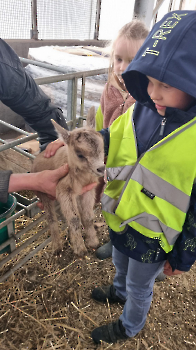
(168, 55)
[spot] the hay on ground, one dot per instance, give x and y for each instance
(46, 304)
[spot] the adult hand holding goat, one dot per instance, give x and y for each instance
(44, 181)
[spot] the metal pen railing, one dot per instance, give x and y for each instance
(72, 79)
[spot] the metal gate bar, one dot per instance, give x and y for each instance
(24, 245)
(72, 103)
(24, 260)
(72, 79)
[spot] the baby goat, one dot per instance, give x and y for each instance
(84, 153)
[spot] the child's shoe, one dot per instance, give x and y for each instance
(109, 333)
(106, 292)
(105, 251)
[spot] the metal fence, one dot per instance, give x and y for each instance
(25, 206)
(48, 19)
(79, 19)
(66, 19)
(15, 19)
(72, 88)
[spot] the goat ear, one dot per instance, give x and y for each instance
(90, 118)
(63, 134)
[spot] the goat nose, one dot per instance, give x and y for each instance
(101, 169)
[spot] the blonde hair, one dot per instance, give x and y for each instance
(134, 30)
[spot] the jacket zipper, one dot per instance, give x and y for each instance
(163, 122)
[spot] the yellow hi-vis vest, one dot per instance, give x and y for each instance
(99, 119)
(150, 193)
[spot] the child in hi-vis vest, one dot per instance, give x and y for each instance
(150, 199)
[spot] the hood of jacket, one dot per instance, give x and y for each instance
(168, 55)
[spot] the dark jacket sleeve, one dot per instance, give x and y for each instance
(19, 92)
(4, 184)
(106, 138)
(183, 255)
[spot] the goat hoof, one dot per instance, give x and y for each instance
(81, 253)
(92, 244)
(58, 253)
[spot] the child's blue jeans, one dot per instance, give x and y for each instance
(134, 282)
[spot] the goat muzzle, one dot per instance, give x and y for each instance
(101, 170)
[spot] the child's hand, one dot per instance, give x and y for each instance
(52, 148)
(168, 270)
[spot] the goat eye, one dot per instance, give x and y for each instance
(80, 156)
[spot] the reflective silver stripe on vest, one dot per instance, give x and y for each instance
(152, 223)
(161, 188)
(152, 183)
(120, 173)
(108, 204)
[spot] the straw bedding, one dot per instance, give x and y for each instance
(46, 304)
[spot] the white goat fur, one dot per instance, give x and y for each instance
(84, 153)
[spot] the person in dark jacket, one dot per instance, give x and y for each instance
(19, 92)
(150, 199)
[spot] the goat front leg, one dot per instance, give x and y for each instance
(49, 208)
(70, 211)
(86, 204)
